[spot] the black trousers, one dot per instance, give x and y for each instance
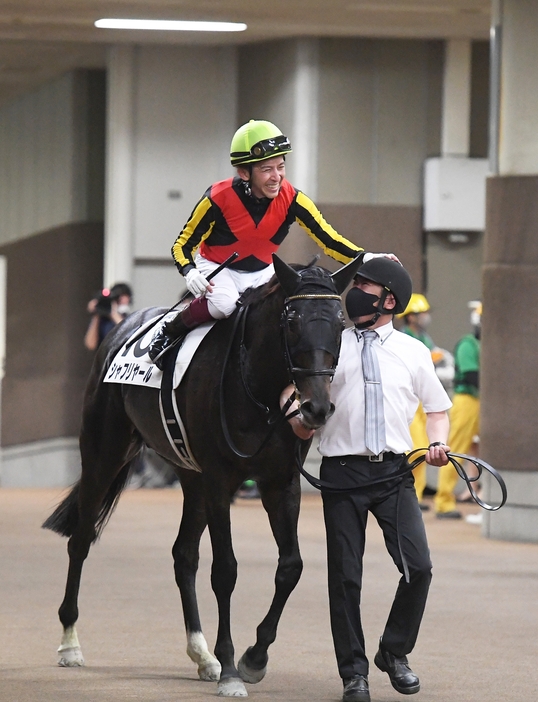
(396, 509)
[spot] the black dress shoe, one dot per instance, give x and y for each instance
(401, 676)
(356, 689)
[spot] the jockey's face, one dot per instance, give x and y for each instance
(266, 178)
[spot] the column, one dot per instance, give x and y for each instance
(455, 128)
(118, 254)
(509, 377)
(305, 127)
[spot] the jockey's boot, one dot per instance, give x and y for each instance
(193, 315)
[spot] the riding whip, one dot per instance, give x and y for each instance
(222, 266)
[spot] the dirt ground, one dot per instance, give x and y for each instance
(477, 642)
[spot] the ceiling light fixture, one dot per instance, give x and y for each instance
(173, 25)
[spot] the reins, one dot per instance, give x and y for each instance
(407, 466)
(275, 419)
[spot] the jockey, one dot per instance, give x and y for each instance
(250, 214)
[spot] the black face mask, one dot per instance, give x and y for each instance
(361, 304)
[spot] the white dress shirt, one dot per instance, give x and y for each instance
(407, 376)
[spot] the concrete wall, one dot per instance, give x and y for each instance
(184, 116)
(378, 109)
(52, 156)
(50, 278)
(379, 119)
(51, 234)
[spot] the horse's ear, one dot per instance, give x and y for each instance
(343, 276)
(287, 277)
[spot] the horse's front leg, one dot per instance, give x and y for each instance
(223, 579)
(282, 507)
(186, 556)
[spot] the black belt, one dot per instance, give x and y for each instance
(381, 458)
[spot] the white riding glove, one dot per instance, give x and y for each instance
(197, 284)
(370, 256)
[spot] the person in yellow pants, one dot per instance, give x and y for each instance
(417, 429)
(464, 414)
(416, 318)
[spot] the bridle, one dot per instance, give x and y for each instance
(294, 372)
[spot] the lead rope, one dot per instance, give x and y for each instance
(407, 467)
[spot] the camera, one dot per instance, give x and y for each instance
(104, 303)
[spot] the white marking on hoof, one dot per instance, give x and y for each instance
(208, 666)
(231, 687)
(250, 675)
(70, 651)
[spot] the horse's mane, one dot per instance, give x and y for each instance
(310, 274)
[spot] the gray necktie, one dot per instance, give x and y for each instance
(374, 416)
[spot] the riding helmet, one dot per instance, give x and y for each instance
(258, 140)
(392, 276)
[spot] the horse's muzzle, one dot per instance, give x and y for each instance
(315, 414)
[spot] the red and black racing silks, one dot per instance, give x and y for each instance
(250, 239)
(226, 219)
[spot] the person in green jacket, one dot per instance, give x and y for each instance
(464, 414)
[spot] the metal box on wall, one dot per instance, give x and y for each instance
(455, 194)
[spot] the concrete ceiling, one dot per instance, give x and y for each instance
(40, 39)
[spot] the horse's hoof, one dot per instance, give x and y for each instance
(209, 668)
(231, 687)
(248, 674)
(70, 657)
(209, 672)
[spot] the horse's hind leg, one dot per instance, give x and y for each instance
(186, 556)
(282, 507)
(107, 445)
(90, 501)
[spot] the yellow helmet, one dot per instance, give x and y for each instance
(418, 303)
(257, 140)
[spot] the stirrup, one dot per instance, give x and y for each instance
(158, 360)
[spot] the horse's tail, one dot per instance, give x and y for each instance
(65, 517)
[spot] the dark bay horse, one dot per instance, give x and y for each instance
(229, 401)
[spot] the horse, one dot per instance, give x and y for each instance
(287, 330)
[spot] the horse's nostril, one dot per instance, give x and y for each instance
(316, 413)
(331, 410)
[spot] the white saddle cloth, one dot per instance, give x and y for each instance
(133, 366)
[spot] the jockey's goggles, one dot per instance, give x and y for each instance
(263, 149)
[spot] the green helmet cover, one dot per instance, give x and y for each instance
(257, 140)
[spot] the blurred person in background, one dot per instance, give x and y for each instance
(416, 320)
(464, 414)
(108, 308)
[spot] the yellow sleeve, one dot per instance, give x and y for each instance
(197, 229)
(327, 238)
